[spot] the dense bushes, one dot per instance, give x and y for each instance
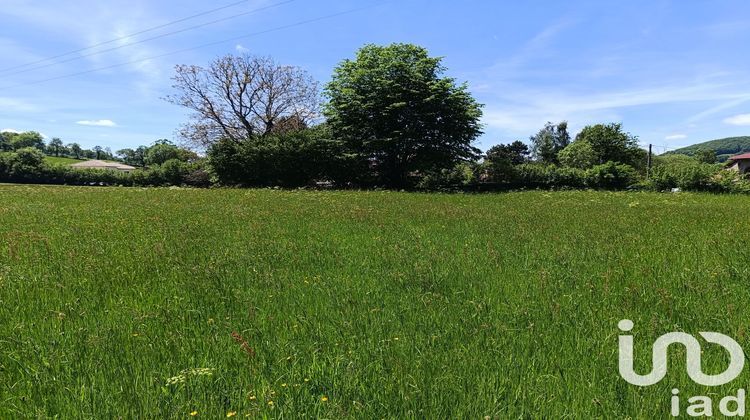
(535, 175)
(685, 175)
(27, 166)
(300, 160)
(461, 176)
(290, 160)
(309, 157)
(691, 175)
(25, 163)
(611, 176)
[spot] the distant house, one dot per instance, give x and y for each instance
(100, 164)
(739, 163)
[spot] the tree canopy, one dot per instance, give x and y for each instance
(394, 107)
(15, 141)
(610, 143)
(549, 141)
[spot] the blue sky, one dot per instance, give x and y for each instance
(673, 72)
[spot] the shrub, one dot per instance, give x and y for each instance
(28, 166)
(579, 154)
(689, 175)
(611, 176)
(534, 175)
(23, 165)
(174, 171)
(461, 175)
(563, 177)
(289, 160)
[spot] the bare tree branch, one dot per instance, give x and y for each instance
(241, 97)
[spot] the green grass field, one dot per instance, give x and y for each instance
(52, 160)
(160, 303)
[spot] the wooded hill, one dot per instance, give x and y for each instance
(724, 148)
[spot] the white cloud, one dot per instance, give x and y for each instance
(97, 123)
(676, 137)
(742, 119)
(241, 48)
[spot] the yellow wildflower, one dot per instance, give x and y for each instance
(231, 414)
(193, 414)
(324, 398)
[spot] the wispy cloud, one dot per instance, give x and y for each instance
(718, 108)
(97, 123)
(563, 73)
(12, 104)
(742, 119)
(83, 24)
(525, 110)
(538, 46)
(9, 130)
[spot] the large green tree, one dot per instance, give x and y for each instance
(579, 154)
(393, 106)
(55, 146)
(163, 151)
(706, 156)
(500, 160)
(610, 143)
(160, 153)
(76, 150)
(24, 140)
(515, 153)
(99, 150)
(550, 141)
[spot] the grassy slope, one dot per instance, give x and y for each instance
(52, 160)
(724, 148)
(389, 304)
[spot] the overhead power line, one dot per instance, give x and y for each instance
(151, 29)
(645, 144)
(210, 44)
(141, 32)
(190, 28)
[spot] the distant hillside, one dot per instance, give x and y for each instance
(724, 148)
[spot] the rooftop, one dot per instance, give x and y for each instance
(740, 157)
(100, 164)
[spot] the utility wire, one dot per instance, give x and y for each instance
(658, 145)
(207, 12)
(190, 28)
(276, 29)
